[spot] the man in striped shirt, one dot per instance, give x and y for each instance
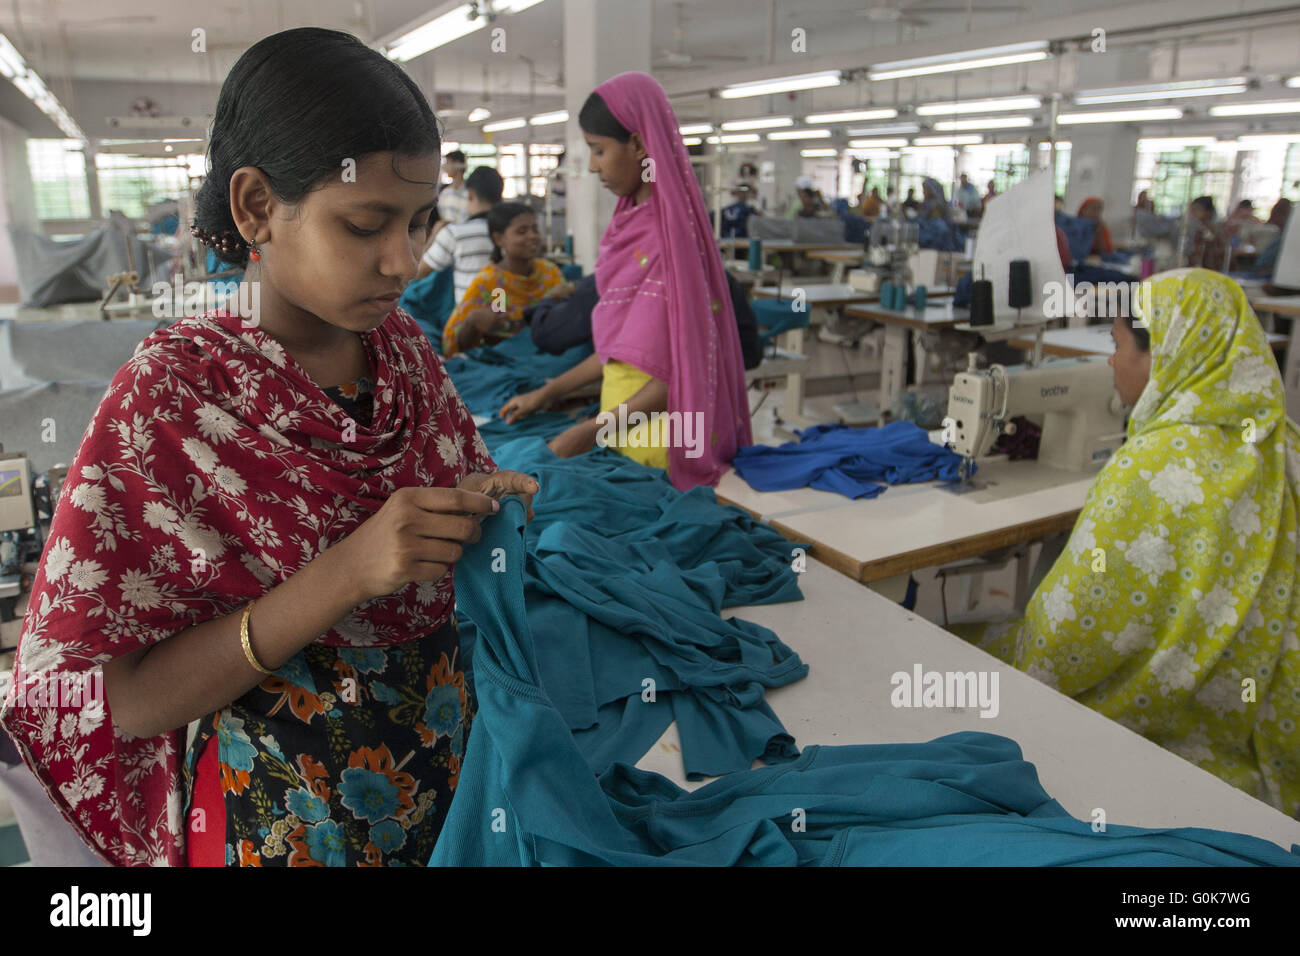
(466, 245)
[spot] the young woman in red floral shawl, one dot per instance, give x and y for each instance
(252, 552)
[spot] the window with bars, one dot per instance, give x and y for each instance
(58, 171)
(131, 183)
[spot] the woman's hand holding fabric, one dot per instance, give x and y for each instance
(498, 484)
(521, 406)
(416, 536)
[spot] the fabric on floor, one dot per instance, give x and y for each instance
(527, 796)
(855, 462)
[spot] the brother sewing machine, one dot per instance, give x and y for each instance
(1083, 417)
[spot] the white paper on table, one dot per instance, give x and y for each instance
(1020, 224)
(1287, 271)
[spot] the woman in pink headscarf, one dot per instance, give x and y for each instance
(664, 330)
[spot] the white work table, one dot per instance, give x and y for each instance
(1095, 340)
(910, 527)
(853, 640)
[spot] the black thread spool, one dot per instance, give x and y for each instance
(1019, 292)
(981, 302)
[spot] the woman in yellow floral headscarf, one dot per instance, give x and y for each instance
(1173, 608)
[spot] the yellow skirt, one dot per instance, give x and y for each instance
(648, 442)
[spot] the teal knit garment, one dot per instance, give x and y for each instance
(527, 795)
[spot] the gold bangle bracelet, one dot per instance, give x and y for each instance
(243, 640)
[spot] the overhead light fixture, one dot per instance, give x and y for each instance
(1121, 116)
(1256, 109)
(441, 30)
(549, 119)
(980, 106)
(735, 138)
(814, 153)
(886, 130)
(502, 125)
(1265, 139)
(964, 140)
(691, 141)
(478, 114)
(878, 143)
(33, 87)
(991, 122)
(1161, 91)
(1293, 81)
(514, 6)
(764, 122)
(1175, 142)
(695, 129)
(965, 60)
(850, 116)
(801, 134)
(783, 84)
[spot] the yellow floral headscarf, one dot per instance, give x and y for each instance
(1173, 608)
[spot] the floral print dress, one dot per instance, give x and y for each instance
(1173, 608)
(346, 756)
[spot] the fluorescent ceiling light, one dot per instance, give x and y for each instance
(549, 119)
(1121, 116)
(502, 125)
(695, 129)
(478, 114)
(980, 106)
(812, 153)
(33, 87)
(1161, 91)
(1265, 139)
(990, 122)
(766, 122)
(1256, 109)
(691, 141)
(452, 25)
(783, 84)
(965, 60)
(801, 134)
(1176, 142)
(1293, 81)
(964, 140)
(850, 116)
(878, 143)
(735, 138)
(886, 130)
(514, 6)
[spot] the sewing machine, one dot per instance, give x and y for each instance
(1083, 418)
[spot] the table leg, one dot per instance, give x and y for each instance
(893, 366)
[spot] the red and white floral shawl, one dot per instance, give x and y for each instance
(213, 469)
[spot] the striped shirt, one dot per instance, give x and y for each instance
(453, 204)
(467, 246)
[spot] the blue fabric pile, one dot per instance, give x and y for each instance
(526, 794)
(625, 580)
(848, 461)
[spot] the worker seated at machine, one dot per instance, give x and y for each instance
(1173, 607)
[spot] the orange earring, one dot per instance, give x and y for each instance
(254, 254)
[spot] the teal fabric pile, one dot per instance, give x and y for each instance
(527, 796)
(625, 579)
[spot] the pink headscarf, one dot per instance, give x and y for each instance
(665, 306)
